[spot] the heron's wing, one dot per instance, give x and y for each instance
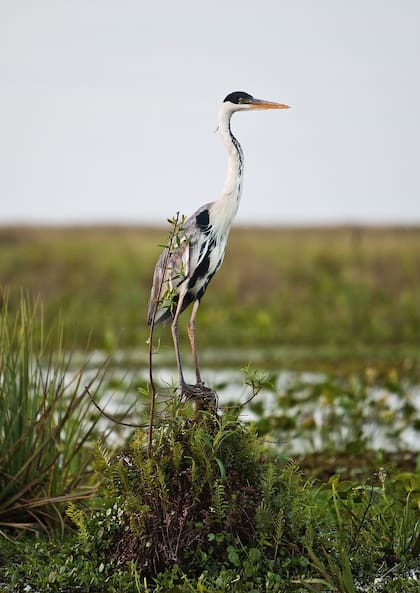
(173, 269)
(169, 274)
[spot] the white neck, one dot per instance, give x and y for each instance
(223, 211)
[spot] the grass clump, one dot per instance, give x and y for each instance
(44, 424)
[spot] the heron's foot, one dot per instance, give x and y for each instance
(200, 393)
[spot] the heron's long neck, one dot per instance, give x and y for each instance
(226, 207)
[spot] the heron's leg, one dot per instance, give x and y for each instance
(174, 330)
(191, 335)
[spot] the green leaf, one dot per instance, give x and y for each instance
(254, 554)
(221, 468)
(233, 556)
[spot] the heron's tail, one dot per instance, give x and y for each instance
(164, 314)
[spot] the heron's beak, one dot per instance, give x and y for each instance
(261, 104)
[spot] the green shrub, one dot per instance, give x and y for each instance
(208, 498)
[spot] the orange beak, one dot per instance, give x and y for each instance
(260, 104)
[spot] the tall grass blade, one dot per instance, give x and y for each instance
(45, 422)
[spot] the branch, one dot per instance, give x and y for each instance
(114, 420)
(172, 234)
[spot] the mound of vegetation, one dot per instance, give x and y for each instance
(207, 496)
(212, 506)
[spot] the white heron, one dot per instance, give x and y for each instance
(188, 268)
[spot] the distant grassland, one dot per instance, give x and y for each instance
(311, 287)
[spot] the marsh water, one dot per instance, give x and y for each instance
(300, 411)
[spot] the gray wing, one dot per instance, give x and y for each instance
(173, 269)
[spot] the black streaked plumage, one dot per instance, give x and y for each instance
(202, 220)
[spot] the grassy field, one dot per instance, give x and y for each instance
(338, 289)
(341, 300)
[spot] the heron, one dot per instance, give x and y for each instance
(186, 269)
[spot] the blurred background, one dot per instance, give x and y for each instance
(107, 118)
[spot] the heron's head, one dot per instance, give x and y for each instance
(241, 101)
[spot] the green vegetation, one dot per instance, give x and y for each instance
(214, 510)
(45, 425)
(217, 504)
(341, 289)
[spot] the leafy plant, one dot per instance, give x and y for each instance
(200, 477)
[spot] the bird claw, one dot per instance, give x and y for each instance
(199, 392)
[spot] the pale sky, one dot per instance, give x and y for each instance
(108, 109)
